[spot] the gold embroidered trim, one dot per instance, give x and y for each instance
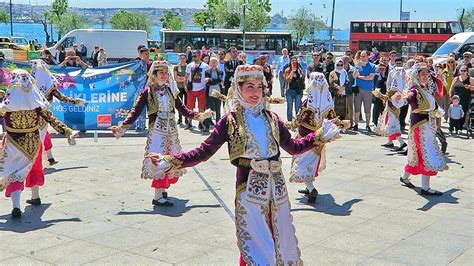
(175, 163)
(28, 144)
(237, 134)
(423, 103)
(22, 130)
(23, 119)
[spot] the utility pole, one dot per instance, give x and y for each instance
(331, 32)
(11, 18)
(401, 8)
(244, 5)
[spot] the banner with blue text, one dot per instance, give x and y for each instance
(109, 91)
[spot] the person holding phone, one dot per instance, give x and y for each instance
(72, 60)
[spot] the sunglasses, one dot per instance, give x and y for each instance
(339, 65)
(463, 70)
(329, 58)
(467, 56)
(315, 55)
(220, 54)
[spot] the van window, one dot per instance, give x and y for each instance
(446, 48)
(467, 48)
(68, 42)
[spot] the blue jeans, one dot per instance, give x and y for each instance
(281, 79)
(292, 97)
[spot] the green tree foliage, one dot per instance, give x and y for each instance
(125, 20)
(302, 23)
(202, 19)
(229, 13)
(171, 21)
(4, 18)
(468, 19)
(58, 9)
(70, 21)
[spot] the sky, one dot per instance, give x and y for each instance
(345, 11)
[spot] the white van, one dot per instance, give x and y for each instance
(457, 44)
(119, 45)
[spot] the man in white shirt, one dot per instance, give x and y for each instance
(284, 60)
(195, 85)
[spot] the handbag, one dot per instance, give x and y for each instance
(189, 85)
(355, 89)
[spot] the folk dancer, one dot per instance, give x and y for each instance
(424, 155)
(22, 107)
(318, 107)
(389, 122)
(160, 97)
(265, 232)
(48, 85)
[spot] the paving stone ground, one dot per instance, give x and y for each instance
(97, 211)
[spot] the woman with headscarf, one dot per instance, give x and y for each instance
(424, 155)
(389, 122)
(319, 105)
(160, 97)
(265, 232)
(338, 83)
(22, 107)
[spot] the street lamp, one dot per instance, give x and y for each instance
(244, 6)
(331, 32)
(11, 18)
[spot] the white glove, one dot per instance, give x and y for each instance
(158, 166)
(117, 131)
(330, 130)
(438, 113)
(72, 139)
(204, 115)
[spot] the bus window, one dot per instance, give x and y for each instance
(442, 27)
(397, 27)
(454, 27)
(428, 47)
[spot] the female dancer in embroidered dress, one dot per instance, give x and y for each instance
(389, 122)
(47, 84)
(265, 233)
(22, 108)
(424, 155)
(161, 99)
(318, 106)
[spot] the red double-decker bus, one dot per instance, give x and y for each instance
(386, 36)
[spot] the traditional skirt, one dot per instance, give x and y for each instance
(15, 167)
(389, 124)
(265, 232)
(305, 167)
(424, 155)
(162, 139)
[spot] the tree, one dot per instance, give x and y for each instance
(467, 19)
(303, 22)
(58, 9)
(171, 21)
(70, 21)
(229, 13)
(202, 18)
(125, 20)
(44, 21)
(4, 18)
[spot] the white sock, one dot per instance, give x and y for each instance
(389, 141)
(16, 199)
(405, 175)
(35, 192)
(309, 185)
(49, 153)
(425, 182)
(159, 195)
(400, 140)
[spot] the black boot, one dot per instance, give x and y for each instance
(52, 161)
(16, 213)
(162, 204)
(303, 191)
(312, 196)
(34, 202)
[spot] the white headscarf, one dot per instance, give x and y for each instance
(152, 80)
(342, 73)
(22, 93)
(319, 96)
(397, 79)
(235, 99)
(45, 81)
